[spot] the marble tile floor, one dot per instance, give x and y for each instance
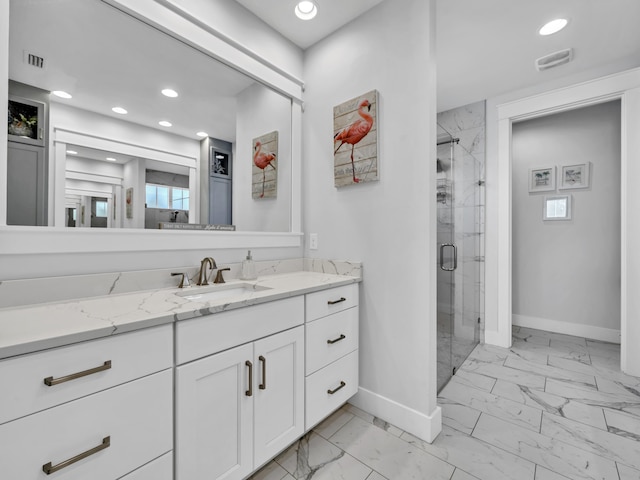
(552, 407)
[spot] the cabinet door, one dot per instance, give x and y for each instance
(26, 185)
(214, 416)
(279, 393)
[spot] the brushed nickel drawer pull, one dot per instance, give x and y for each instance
(263, 385)
(249, 392)
(341, 337)
(50, 381)
(333, 302)
(331, 392)
(48, 468)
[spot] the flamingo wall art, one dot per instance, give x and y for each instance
(264, 182)
(355, 140)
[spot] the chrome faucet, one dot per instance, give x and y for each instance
(202, 274)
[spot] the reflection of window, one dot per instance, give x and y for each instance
(162, 196)
(101, 209)
(180, 198)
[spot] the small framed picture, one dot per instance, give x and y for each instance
(575, 176)
(556, 207)
(542, 179)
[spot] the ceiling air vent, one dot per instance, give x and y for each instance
(554, 59)
(34, 60)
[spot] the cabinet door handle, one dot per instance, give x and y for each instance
(331, 392)
(341, 337)
(333, 302)
(48, 468)
(249, 392)
(50, 381)
(263, 385)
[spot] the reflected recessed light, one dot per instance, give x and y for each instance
(61, 94)
(164, 123)
(553, 26)
(111, 159)
(119, 110)
(72, 152)
(306, 10)
(219, 157)
(168, 92)
(202, 134)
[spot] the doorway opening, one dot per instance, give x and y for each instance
(566, 267)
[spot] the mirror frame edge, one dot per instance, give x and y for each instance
(36, 240)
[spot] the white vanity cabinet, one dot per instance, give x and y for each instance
(97, 409)
(239, 406)
(331, 351)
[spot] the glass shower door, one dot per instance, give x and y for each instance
(446, 249)
(460, 277)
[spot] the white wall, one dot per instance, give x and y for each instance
(261, 111)
(568, 271)
(389, 225)
(4, 99)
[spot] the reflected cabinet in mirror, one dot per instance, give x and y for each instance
(115, 124)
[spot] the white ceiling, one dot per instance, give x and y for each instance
(485, 48)
(488, 47)
(332, 14)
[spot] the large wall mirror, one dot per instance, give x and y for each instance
(185, 159)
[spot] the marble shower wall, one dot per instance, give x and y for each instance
(466, 213)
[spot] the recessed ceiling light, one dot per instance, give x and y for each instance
(168, 92)
(61, 94)
(72, 152)
(111, 159)
(219, 157)
(202, 134)
(164, 123)
(306, 10)
(119, 110)
(553, 26)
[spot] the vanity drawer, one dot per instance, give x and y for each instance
(214, 333)
(160, 469)
(132, 422)
(330, 338)
(326, 302)
(132, 355)
(319, 402)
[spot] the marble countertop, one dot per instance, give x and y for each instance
(28, 329)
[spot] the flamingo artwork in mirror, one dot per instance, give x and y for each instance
(264, 183)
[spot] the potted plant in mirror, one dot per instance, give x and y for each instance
(21, 125)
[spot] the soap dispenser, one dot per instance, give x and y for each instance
(248, 268)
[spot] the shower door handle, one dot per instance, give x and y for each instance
(455, 256)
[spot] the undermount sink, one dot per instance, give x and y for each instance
(217, 292)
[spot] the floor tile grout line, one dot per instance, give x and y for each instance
(475, 439)
(343, 425)
(556, 441)
(542, 409)
(618, 470)
(475, 424)
(591, 452)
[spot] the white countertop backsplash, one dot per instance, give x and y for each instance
(49, 312)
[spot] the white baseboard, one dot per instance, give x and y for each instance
(575, 329)
(425, 427)
(498, 339)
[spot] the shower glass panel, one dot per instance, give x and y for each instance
(460, 278)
